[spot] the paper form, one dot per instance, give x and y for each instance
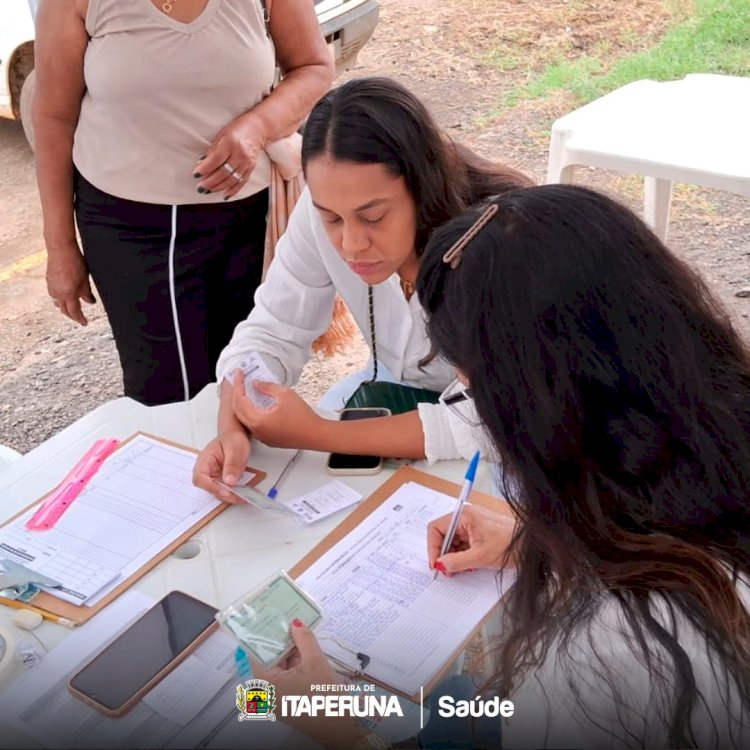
(177, 696)
(80, 578)
(140, 501)
(378, 595)
(322, 502)
(41, 706)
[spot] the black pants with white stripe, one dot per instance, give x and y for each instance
(174, 280)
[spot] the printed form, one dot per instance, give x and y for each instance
(378, 594)
(140, 501)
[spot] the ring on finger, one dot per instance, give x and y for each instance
(226, 165)
(237, 176)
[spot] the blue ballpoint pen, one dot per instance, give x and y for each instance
(462, 498)
(275, 489)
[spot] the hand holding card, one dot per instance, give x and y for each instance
(254, 367)
(254, 497)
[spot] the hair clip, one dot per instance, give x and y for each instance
(454, 254)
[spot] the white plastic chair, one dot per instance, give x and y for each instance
(696, 130)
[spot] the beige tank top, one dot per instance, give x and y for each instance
(158, 92)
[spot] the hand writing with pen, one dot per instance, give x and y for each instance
(481, 540)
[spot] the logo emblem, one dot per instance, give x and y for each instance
(256, 699)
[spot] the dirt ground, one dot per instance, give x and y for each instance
(460, 57)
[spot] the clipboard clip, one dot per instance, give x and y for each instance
(70, 488)
(17, 582)
(362, 658)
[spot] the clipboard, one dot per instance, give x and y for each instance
(375, 500)
(80, 613)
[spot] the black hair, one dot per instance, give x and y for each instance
(618, 395)
(378, 121)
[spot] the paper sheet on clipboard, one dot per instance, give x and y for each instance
(140, 501)
(372, 580)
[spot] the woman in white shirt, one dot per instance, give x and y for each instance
(618, 396)
(380, 175)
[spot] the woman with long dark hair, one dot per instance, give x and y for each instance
(380, 175)
(617, 395)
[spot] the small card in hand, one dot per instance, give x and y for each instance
(255, 498)
(254, 367)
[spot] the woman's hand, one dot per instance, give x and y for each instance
(223, 459)
(289, 423)
(305, 667)
(307, 67)
(232, 156)
(68, 281)
(481, 540)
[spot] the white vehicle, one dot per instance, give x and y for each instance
(346, 25)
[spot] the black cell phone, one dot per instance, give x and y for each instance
(120, 675)
(344, 463)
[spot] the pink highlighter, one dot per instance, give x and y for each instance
(67, 491)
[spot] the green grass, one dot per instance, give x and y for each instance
(716, 39)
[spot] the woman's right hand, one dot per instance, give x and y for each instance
(68, 281)
(481, 540)
(223, 459)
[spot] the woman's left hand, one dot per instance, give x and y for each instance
(305, 667)
(289, 423)
(232, 156)
(307, 69)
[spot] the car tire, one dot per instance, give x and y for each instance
(27, 91)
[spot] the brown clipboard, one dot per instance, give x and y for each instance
(80, 613)
(376, 499)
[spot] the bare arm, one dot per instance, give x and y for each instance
(305, 62)
(399, 436)
(225, 457)
(291, 423)
(60, 45)
(304, 59)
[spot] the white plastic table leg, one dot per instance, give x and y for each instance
(657, 199)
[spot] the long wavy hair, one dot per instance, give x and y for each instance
(618, 396)
(378, 121)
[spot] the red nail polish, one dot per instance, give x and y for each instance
(297, 623)
(439, 565)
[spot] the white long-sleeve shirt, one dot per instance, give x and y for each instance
(294, 304)
(601, 654)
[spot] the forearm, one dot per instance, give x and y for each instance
(226, 420)
(400, 436)
(54, 173)
(284, 110)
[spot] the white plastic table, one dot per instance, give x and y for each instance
(212, 565)
(695, 130)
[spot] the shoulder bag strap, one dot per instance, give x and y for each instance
(371, 311)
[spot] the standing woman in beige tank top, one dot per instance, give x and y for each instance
(151, 123)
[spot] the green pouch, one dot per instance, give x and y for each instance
(398, 398)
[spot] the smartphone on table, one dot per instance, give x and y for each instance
(125, 670)
(344, 463)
